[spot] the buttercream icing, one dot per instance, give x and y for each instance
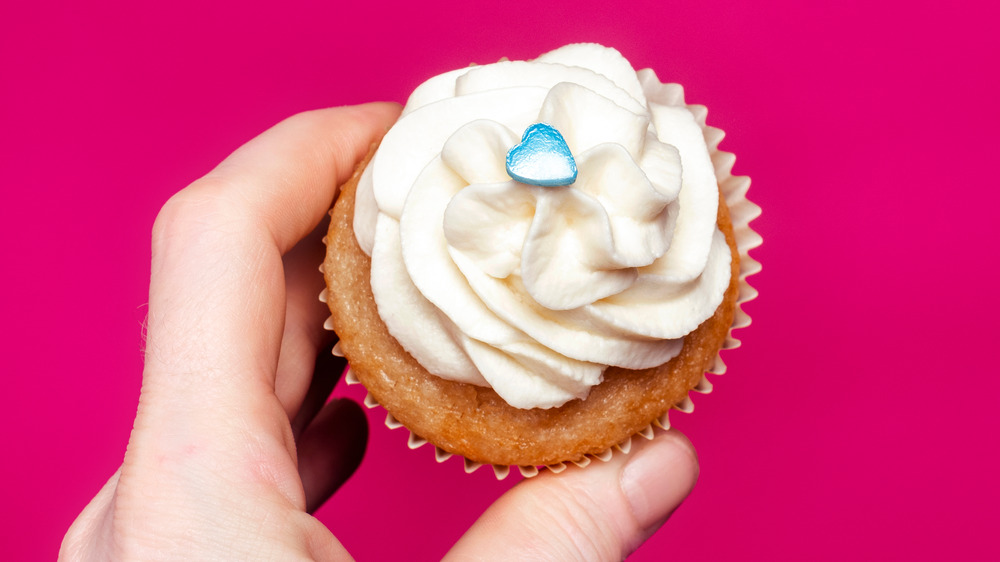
(535, 290)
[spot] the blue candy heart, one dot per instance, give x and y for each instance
(542, 158)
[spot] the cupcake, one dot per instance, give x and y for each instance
(539, 260)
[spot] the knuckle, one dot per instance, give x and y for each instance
(198, 214)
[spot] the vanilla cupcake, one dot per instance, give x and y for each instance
(540, 259)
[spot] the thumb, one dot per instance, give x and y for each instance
(602, 512)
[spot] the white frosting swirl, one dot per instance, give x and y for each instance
(533, 290)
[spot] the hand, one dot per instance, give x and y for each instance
(230, 449)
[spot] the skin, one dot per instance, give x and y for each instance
(232, 446)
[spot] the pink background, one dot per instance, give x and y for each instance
(858, 421)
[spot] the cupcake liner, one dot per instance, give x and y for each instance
(741, 212)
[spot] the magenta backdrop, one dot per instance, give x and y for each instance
(858, 420)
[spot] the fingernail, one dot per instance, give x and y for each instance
(658, 478)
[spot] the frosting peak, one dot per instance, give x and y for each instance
(535, 289)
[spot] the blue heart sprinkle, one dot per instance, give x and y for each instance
(542, 158)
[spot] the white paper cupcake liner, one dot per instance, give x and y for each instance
(741, 212)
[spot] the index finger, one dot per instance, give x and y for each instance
(217, 293)
(286, 178)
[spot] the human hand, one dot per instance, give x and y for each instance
(232, 446)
